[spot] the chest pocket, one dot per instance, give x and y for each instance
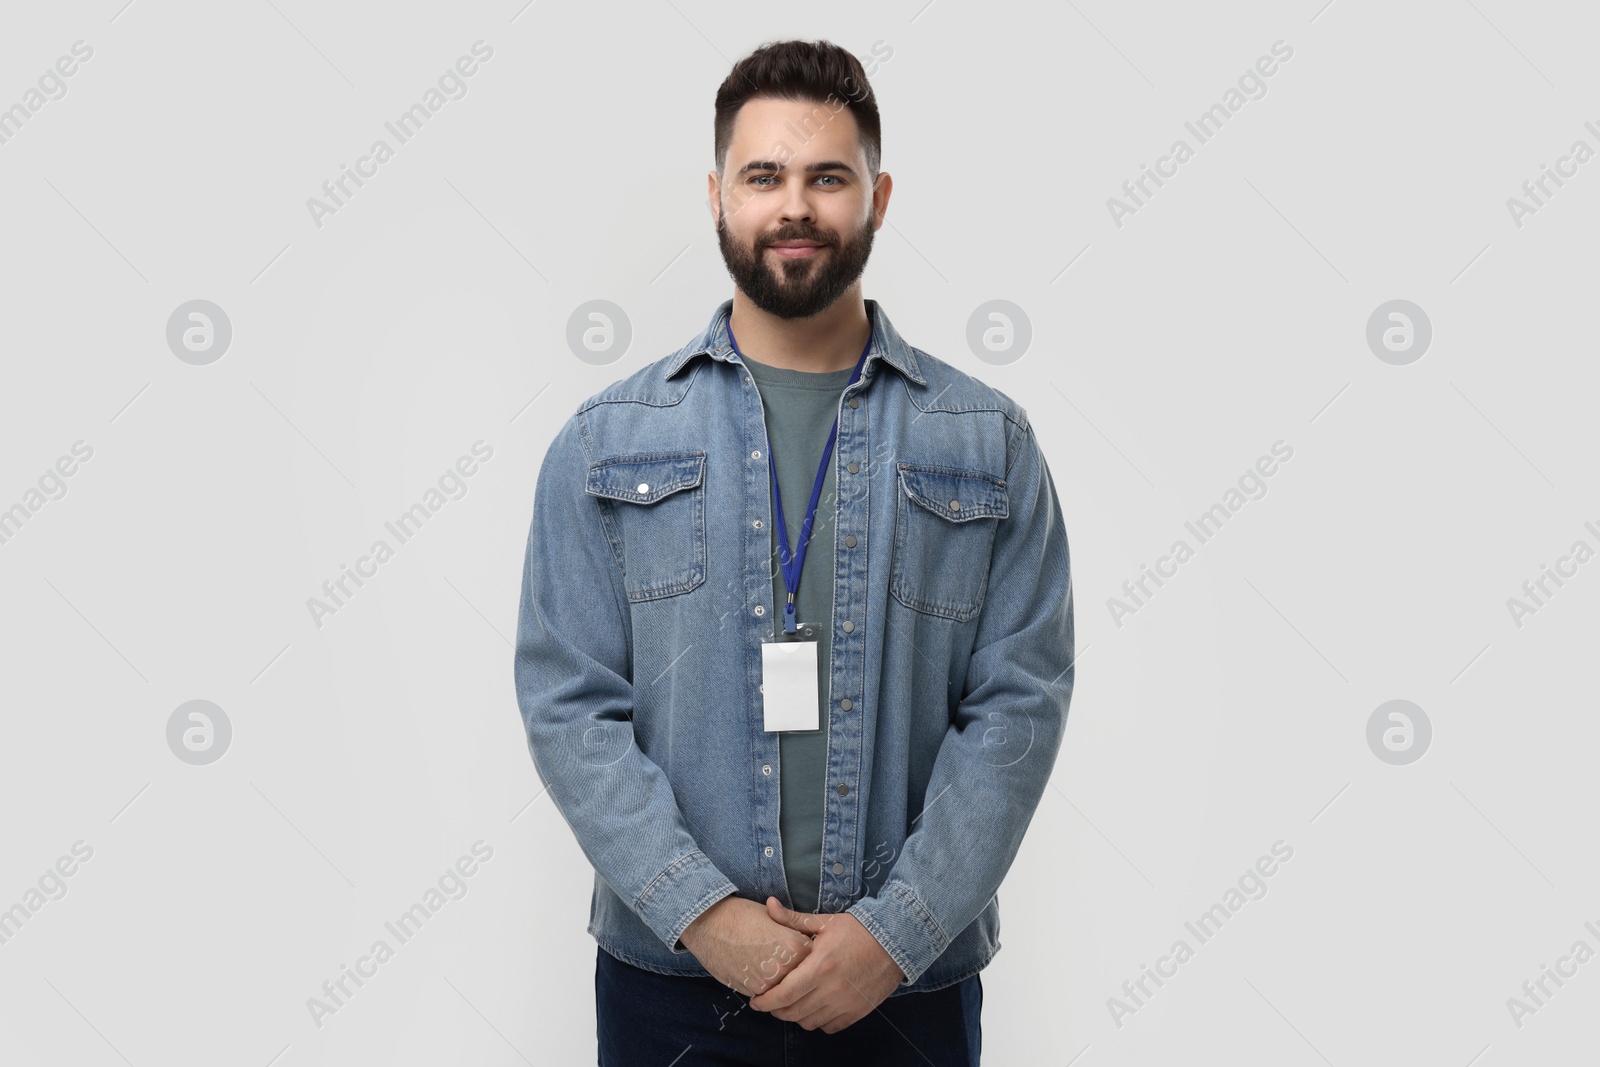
(944, 527)
(656, 515)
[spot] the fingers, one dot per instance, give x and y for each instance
(812, 1004)
(748, 983)
(794, 920)
(794, 987)
(778, 913)
(827, 1018)
(839, 1022)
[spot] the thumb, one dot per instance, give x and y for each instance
(793, 919)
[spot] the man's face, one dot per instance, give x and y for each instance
(826, 214)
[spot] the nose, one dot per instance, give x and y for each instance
(797, 203)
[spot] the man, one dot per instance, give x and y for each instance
(795, 645)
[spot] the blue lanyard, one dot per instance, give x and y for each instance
(791, 566)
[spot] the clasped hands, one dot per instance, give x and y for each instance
(822, 971)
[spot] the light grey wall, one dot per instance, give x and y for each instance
(1242, 703)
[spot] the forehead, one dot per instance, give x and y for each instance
(798, 130)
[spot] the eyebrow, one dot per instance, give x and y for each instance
(810, 168)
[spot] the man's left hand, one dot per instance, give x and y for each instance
(846, 975)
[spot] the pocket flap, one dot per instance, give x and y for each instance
(955, 493)
(646, 477)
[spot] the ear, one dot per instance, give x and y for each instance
(881, 192)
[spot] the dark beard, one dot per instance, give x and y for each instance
(808, 286)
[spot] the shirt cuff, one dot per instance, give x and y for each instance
(680, 894)
(904, 926)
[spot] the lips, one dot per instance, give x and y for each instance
(796, 249)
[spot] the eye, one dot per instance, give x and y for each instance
(758, 180)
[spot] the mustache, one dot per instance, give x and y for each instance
(805, 235)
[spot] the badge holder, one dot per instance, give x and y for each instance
(789, 696)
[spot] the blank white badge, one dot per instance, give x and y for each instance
(789, 685)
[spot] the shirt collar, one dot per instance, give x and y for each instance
(886, 344)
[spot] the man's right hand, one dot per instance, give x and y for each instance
(738, 942)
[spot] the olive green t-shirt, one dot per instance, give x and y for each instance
(800, 408)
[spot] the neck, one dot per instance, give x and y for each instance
(832, 339)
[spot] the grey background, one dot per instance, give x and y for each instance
(431, 311)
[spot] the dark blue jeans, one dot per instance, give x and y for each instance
(661, 1020)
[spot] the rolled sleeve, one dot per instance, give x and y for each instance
(997, 755)
(573, 671)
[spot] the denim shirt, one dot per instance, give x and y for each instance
(647, 593)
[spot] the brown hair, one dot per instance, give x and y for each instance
(800, 70)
